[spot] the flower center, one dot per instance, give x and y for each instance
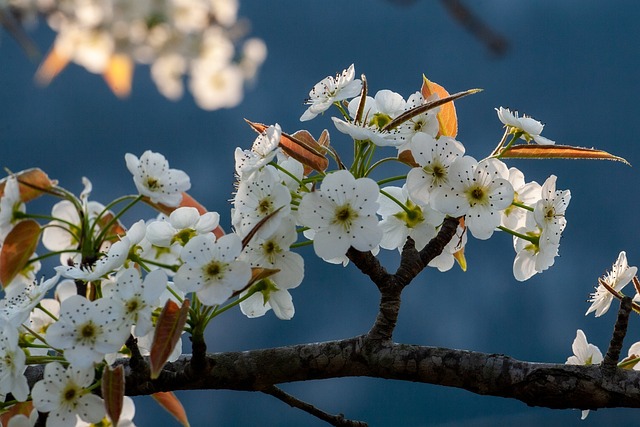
(345, 215)
(437, 172)
(183, 236)
(88, 331)
(133, 305)
(265, 206)
(380, 120)
(153, 183)
(477, 195)
(412, 216)
(213, 270)
(69, 394)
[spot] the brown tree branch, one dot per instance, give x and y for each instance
(557, 386)
(619, 332)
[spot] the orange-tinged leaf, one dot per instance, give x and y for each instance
(301, 146)
(113, 392)
(460, 258)
(535, 151)
(172, 405)
(32, 183)
(19, 245)
(447, 117)
(168, 330)
(187, 201)
(52, 65)
(20, 408)
(119, 74)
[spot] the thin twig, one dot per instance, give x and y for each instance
(335, 420)
(619, 331)
(461, 13)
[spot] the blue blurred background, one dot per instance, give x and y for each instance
(572, 64)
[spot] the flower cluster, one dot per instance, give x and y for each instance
(443, 181)
(200, 39)
(112, 281)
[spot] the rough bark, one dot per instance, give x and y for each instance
(536, 384)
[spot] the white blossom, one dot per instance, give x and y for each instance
(342, 214)
(64, 394)
(153, 178)
(330, 90)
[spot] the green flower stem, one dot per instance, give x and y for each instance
(523, 206)
(93, 386)
(532, 239)
(73, 228)
(344, 112)
(50, 254)
(65, 194)
(501, 143)
(392, 179)
(24, 215)
(175, 294)
(40, 337)
(286, 172)
(134, 200)
(219, 311)
(47, 312)
(380, 162)
(41, 360)
(144, 261)
(366, 165)
(301, 244)
(398, 202)
(514, 139)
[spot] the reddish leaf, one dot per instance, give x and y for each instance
(32, 183)
(447, 117)
(19, 245)
(406, 157)
(535, 151)
(187, 201)
(113, 392)
(302, 147)
(168, 330)
(119, 74)
(172, 405)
